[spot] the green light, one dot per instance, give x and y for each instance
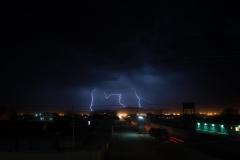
(213, 125)
(205, 124)
(222, 126)
(198, 123)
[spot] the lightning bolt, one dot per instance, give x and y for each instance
(146, 100)
(139, 99)
(119, 97)
(92, 98)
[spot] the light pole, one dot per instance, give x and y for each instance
(141, 117)
(73, 132)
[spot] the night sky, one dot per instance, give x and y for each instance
(54, 53)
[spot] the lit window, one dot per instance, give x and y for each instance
(236, 129)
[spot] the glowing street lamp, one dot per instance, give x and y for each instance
(141, 117)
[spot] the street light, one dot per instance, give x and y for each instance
(141, 117)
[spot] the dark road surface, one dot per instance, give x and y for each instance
(128, 144)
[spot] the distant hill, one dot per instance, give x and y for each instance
(6, 114)
(131, 110)
(135, 110)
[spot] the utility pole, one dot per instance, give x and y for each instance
(161, 119)
(143, 125)
(73, 131)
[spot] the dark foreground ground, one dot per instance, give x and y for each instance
(221, 147)
(127, 144)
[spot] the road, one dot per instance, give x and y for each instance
(128, 144)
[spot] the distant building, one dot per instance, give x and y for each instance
(37, 117)
(7, 114)
(46, 116)
(230, 111)
(225, 124)
(105, 112)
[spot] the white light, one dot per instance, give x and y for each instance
(88, 122)
(140, 117)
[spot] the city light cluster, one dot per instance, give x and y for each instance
(122, 115)
(61, 114)
(172, 114)
(210, 113)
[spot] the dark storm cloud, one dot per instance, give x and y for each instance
(171, 52)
